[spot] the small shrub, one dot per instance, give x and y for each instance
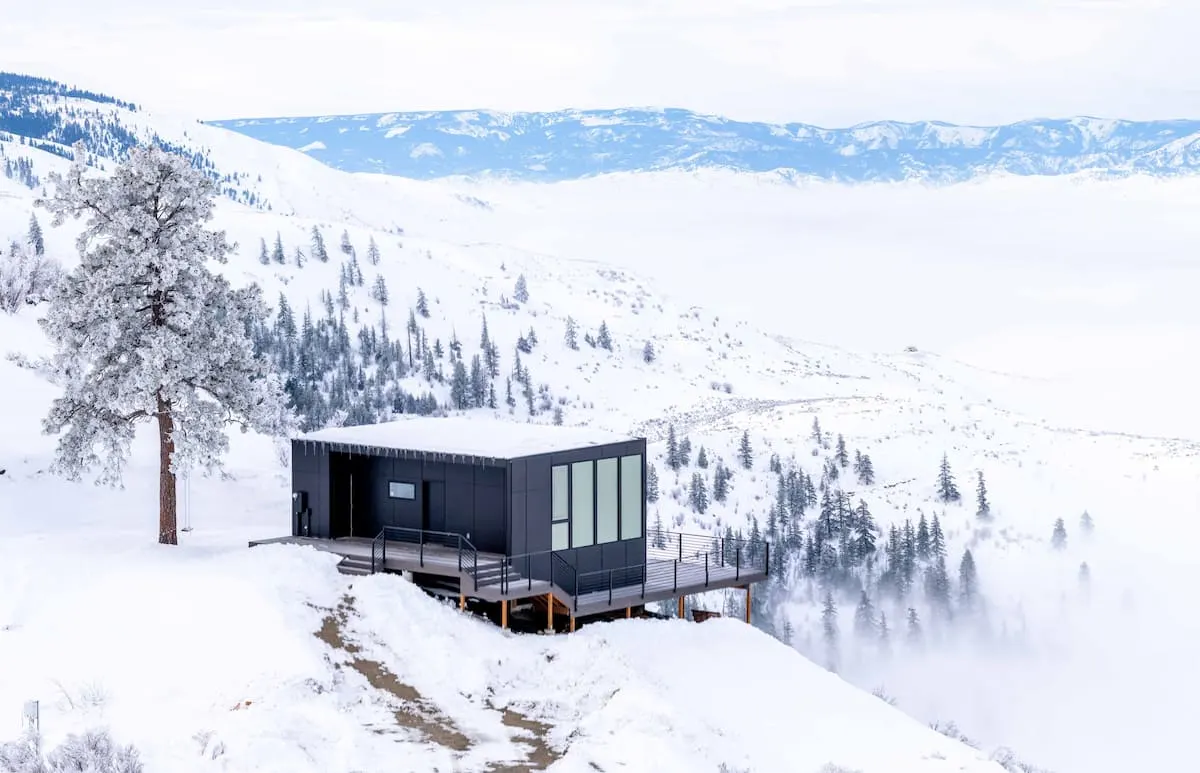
(25, 278)
(93, 751)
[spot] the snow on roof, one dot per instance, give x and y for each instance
(468, 436)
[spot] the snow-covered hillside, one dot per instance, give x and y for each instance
(1022, 654)
(579, 143)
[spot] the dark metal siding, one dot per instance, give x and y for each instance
(310, 474)
(537, 504)
(464, 498)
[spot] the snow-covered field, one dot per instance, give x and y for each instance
(164, 644)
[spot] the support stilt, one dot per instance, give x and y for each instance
(681, 617)
(747, 603)
(628, 612)
(504, 613)
(462, 601)
(572, 623)
(550, 612)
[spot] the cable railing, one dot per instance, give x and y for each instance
(674, 561)
(753, 555)
(466, 555)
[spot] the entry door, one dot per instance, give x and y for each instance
(433, 505)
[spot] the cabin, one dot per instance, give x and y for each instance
(507, 516)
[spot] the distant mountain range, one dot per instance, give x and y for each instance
(571, 144)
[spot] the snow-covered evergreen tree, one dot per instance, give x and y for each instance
(652, 484)
(318, 246)
(1058, 539)
(372, 251)
(143, 329)
(947, 489)
(36, 240)
(865, 470)
(983, 508)
(521, 290)
(864, 617)
(745, 451)
(968, 581)
(604, 338)
(571, 337)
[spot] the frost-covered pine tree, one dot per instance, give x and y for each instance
(372, 251)
(521, 290)
(36, 240)
(143, 330)
(983, 509)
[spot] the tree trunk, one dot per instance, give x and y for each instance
(167, 534)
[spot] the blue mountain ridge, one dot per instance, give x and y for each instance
(572, 144)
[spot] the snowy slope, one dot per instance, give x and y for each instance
(571, 144)
(464, 247)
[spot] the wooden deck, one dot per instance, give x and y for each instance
(664, 579)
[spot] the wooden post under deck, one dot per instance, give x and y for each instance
(747, 603)
(572, 623)
(681, 608)
(628, 612)
(550, 612)
(504, 613)
(462, 602)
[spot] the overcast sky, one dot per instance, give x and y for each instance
(830, 62)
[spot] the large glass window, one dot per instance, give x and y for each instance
(632, 496)
(606, 501)
(582, 510)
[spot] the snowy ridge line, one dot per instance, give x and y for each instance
(571, 144)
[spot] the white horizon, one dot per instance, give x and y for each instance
(816, 61)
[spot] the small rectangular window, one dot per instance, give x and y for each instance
(633, 496)
(398, 490)
(583, 511)
(561, 536)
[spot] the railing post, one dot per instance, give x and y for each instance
(706, 570)
(767, 559)
(737, 557)
(460, 554)
(675, 582)
(680, 547)
(643, 581)
(610, 571)
(722, 548)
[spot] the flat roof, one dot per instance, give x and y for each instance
(482, 436)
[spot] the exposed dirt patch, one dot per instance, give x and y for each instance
(417, 713)
(534, 734)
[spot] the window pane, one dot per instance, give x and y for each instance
(606, 501)
(558, 485)
(582, 528)
(632, 496)
(398, 490)
(561, 536)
